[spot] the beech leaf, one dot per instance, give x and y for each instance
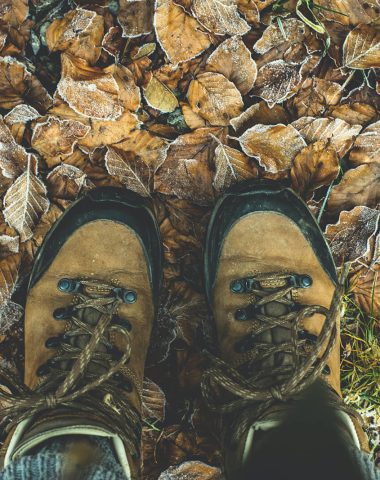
(135, 17)
(361, 49)
(220, 17)
(367, 146)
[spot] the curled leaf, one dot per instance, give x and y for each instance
(153, 401)
(21, 114)
(13, 157)
(9, 271)
(259, 113)
(367, 146)
(66, 182)
(365, 285)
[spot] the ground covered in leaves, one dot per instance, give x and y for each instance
(177, 100)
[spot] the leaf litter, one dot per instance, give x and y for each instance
(178, 100)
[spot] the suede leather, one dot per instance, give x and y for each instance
(263, 242)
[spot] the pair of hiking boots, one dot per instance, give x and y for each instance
(272, 287)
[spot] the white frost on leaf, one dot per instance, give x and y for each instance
(21, 114)
(10, 314)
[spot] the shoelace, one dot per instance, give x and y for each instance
(226, 390)
(76, 388)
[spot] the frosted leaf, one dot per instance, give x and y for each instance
(25, 202)
(278, 80)
(214, 98)
(228, 59)
(367, 146)
(259, 113)
(10, 314)
(13, 157)
(66, 181)
(340, 133)
(9, 245)
(21, 114)
(365, 286)
(273, 36)
(135, 17)
(349, 238)
(361, 49)
(180, 35)
(153, 401)
(274, 146)
(220, 17)
(192, 470)
(9, 271)
(316, 95)
(355, 113)
(81, 22)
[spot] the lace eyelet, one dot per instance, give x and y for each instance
(62, 313)
(67, 285)
(125, 295)
(123, 322)
(326, 370)
(53, 342)
(241, 315)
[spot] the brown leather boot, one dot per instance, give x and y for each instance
(272, 286)
(89, 312)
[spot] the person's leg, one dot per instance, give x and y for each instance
(272, 286)
(89, 312)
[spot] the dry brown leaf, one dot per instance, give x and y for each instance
(9, 245)
(159, 96)
(340, 133)
(233, 60)
(259, 113)
(25, 202)
(349, 12)
(180, 35)
(278, 80)
(214, 98)
(187, 171)
(359, 186)
(21, 114)
(354, 114)
(273, 36)
(146, 146)
(13, 157)
(365, 285)
(192, 119)
(79, 32)
(316, 165)
(361, 49)
(349, 238)
(130, 169)
(89, 91)
(153, 401)
(220, 17)
(18, 86)
(129, 92)
(192, 470)
(14, 12)
(55, 139)
(274, 146)
(367, 146)
(66, 182)
(250, 11)
(136, 17)
(9, 271)
(231, 166)
(316, 96)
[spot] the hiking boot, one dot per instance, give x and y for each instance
(272, 286)
(89, 312)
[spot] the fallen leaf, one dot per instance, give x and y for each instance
(250, 11)
(367, 146)
(228, 59)
(359, 186)
(316, 165)
(55, 139)
(129, 92)
(220, 17)
(192, 119)
(349, 238)
(340, 133)
(361, 49)
(292, 31)
(14, 12)
(8, 245)
(9, 271)
(278, 80)
(159, 96)
(90, 91)
(354, 114)
(10, 315)
(274, 146)
(348, 12)
(232, 166)
(316, 96)
(18, 86)
(259, 113)
(131, 169)
(79, 32)
(186, 171)
(146, 146)
(135, 17)
(180, 35)
(13, 157)
(153, 401)
(21, 114)
(192, 470)
(365, 285)
(214, 98)
(25, 202)
(66, 182)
